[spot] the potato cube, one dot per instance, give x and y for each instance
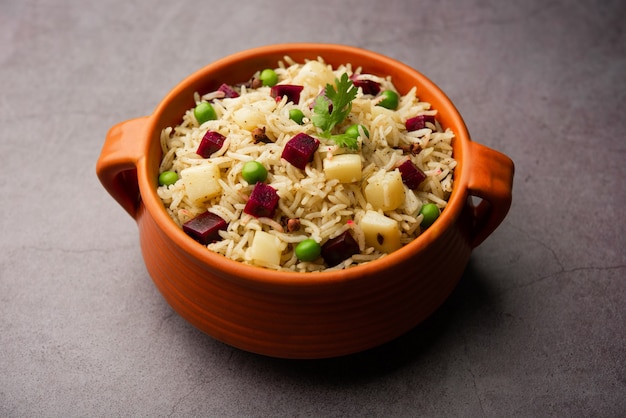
(315, 75)
(385, 190)
(249, 117)
(201, 182)
(345, 167)
(265, 249)
(381, 232)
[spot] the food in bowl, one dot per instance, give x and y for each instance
(289, 314)
(305, 167)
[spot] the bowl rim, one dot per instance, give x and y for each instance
(245, 273)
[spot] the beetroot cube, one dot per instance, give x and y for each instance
(337, 249)
(291, 91)
(262, 202)
(205, 227)
(299, 150)
(211, 143)
(418, 122)
(368, 86)
(228, 91)
(411, 174)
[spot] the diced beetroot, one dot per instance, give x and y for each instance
(418, 122)
(411, 174)
(336, 250)
(291, 91)
(211, 143)
(228, 91)
(368, 86)
(262, 201)
(299, 150)
(205, 228)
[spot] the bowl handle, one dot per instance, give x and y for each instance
(491, 181)
(117, 165)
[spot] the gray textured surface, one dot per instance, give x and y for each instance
(537, 325)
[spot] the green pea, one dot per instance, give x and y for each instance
(353, 131)
(389, 100)
(269, 77)
(430, 211)
(167, 177)
(203, 112)
(253, 172)
(296, 115)
(308, 250)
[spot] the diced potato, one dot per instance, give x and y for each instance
(265, 249)
(345, 167)
(315, 74)
(201, 182)
(385, 190)
(249, 117)
(381, 232)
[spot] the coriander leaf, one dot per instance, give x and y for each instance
(321, 114)
(332, 109)
(346, 141)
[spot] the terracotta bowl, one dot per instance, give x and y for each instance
(304, 315)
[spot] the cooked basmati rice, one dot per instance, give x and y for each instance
(325, 207)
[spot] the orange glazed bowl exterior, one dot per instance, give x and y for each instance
(304, 315)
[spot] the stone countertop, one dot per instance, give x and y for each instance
(536, 326)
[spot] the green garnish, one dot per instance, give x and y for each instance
(341, 100)
(345, 141)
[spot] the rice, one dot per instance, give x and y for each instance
(325, 208)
